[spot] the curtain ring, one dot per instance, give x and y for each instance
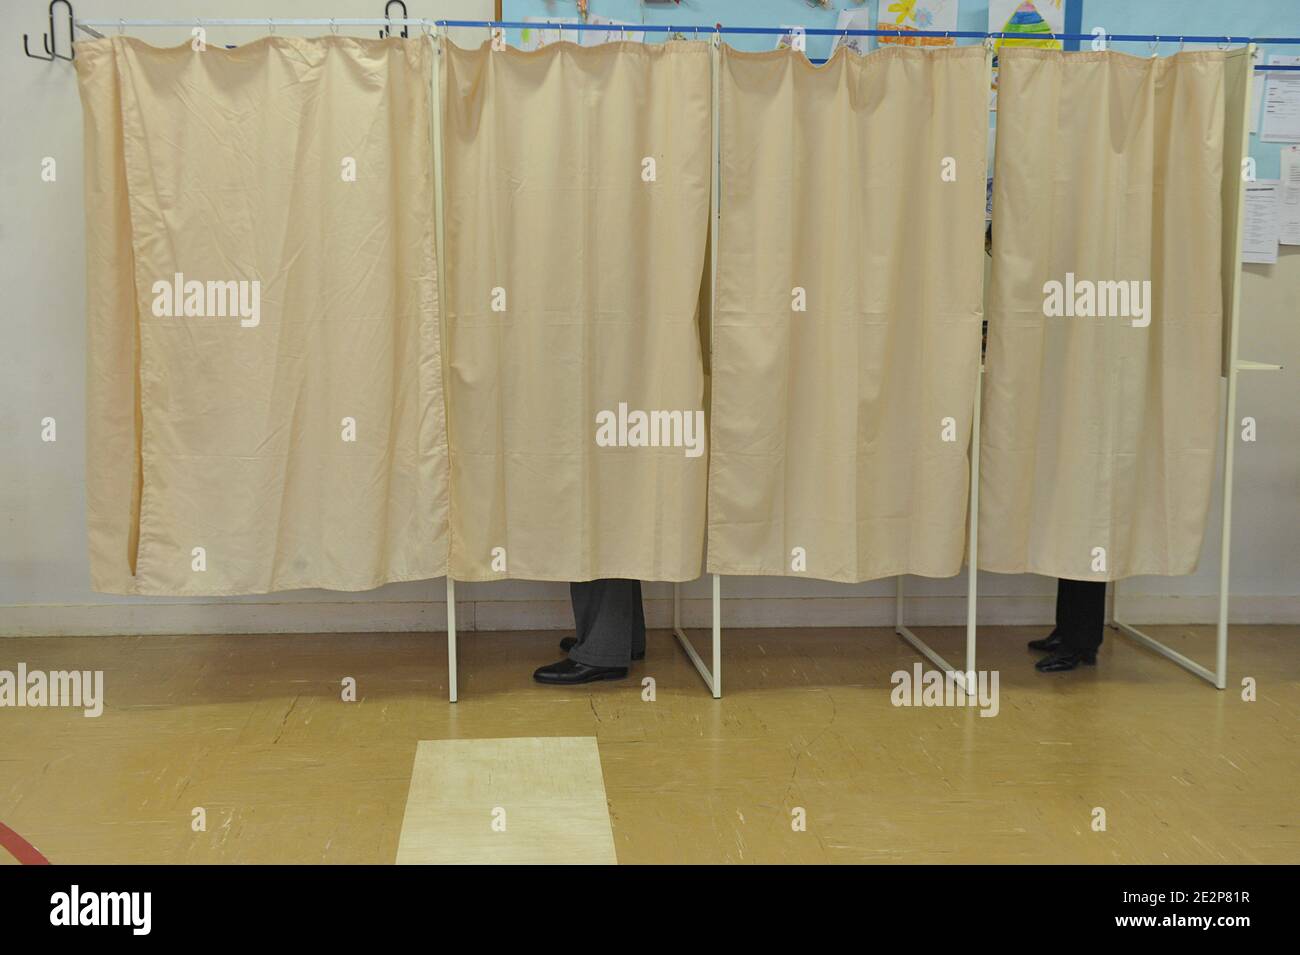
(1226, 42)
(121, 27)
(424, 28)
(1154, 47)
(1182, 43)
(270, 26)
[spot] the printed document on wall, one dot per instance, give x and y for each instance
(1259, 242)
(1288, 231)
(1281, 122)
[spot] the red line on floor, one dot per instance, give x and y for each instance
(20, 848)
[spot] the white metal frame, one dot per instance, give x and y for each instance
(713, 678)
(972, 571)
(1218, 677)
(451, 639)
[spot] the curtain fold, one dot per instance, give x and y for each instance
(576, 214)
(846, 333)
(1101, 405)
(264, 393)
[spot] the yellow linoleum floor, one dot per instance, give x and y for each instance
(253, 730)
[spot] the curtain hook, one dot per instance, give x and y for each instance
(1226, 42)
(334, 27)
(424, 28)
(1182, 43)
(121, 27)
(1154, 46)
(270, 26)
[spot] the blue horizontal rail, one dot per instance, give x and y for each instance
(1153, 39)
(825, 31)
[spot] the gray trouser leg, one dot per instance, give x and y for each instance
(610, 622)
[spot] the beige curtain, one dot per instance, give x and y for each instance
(841, 432)
(279, 423)
(1100, 429)
(577, 195)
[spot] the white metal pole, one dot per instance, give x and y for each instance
(451, 639)
(972, 570)
(715, 54)
(898, 604)
(1230, 413)
(717, 637)
(439, 258)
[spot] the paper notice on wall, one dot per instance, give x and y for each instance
(1259, 232)
(922, 15)
(1288, 210)
(1281, 120)
(794, 38)
(618, 31)
(853, 20)
(549, 30)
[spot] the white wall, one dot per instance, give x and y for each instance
(44, 584)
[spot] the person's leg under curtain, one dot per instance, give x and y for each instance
(610, 622)
(1053, 640)
(1080, 620)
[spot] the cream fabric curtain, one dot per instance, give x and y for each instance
(1100, 429)
(277, 424)
(577, 195)
(841, 432)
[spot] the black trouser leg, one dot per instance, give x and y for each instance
(1080, 613)
(609, 620)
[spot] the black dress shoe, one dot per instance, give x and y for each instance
(1061, 660)
(571, 672)
(1047, 644)
(568, 643)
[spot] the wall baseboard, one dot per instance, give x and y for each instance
(737, 612)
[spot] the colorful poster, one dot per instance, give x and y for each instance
(1033, 22)
(918, 15)
(544, 34)
(617, 32)
(1036, 23)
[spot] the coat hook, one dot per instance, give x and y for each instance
(50, 41)
(388, 30)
